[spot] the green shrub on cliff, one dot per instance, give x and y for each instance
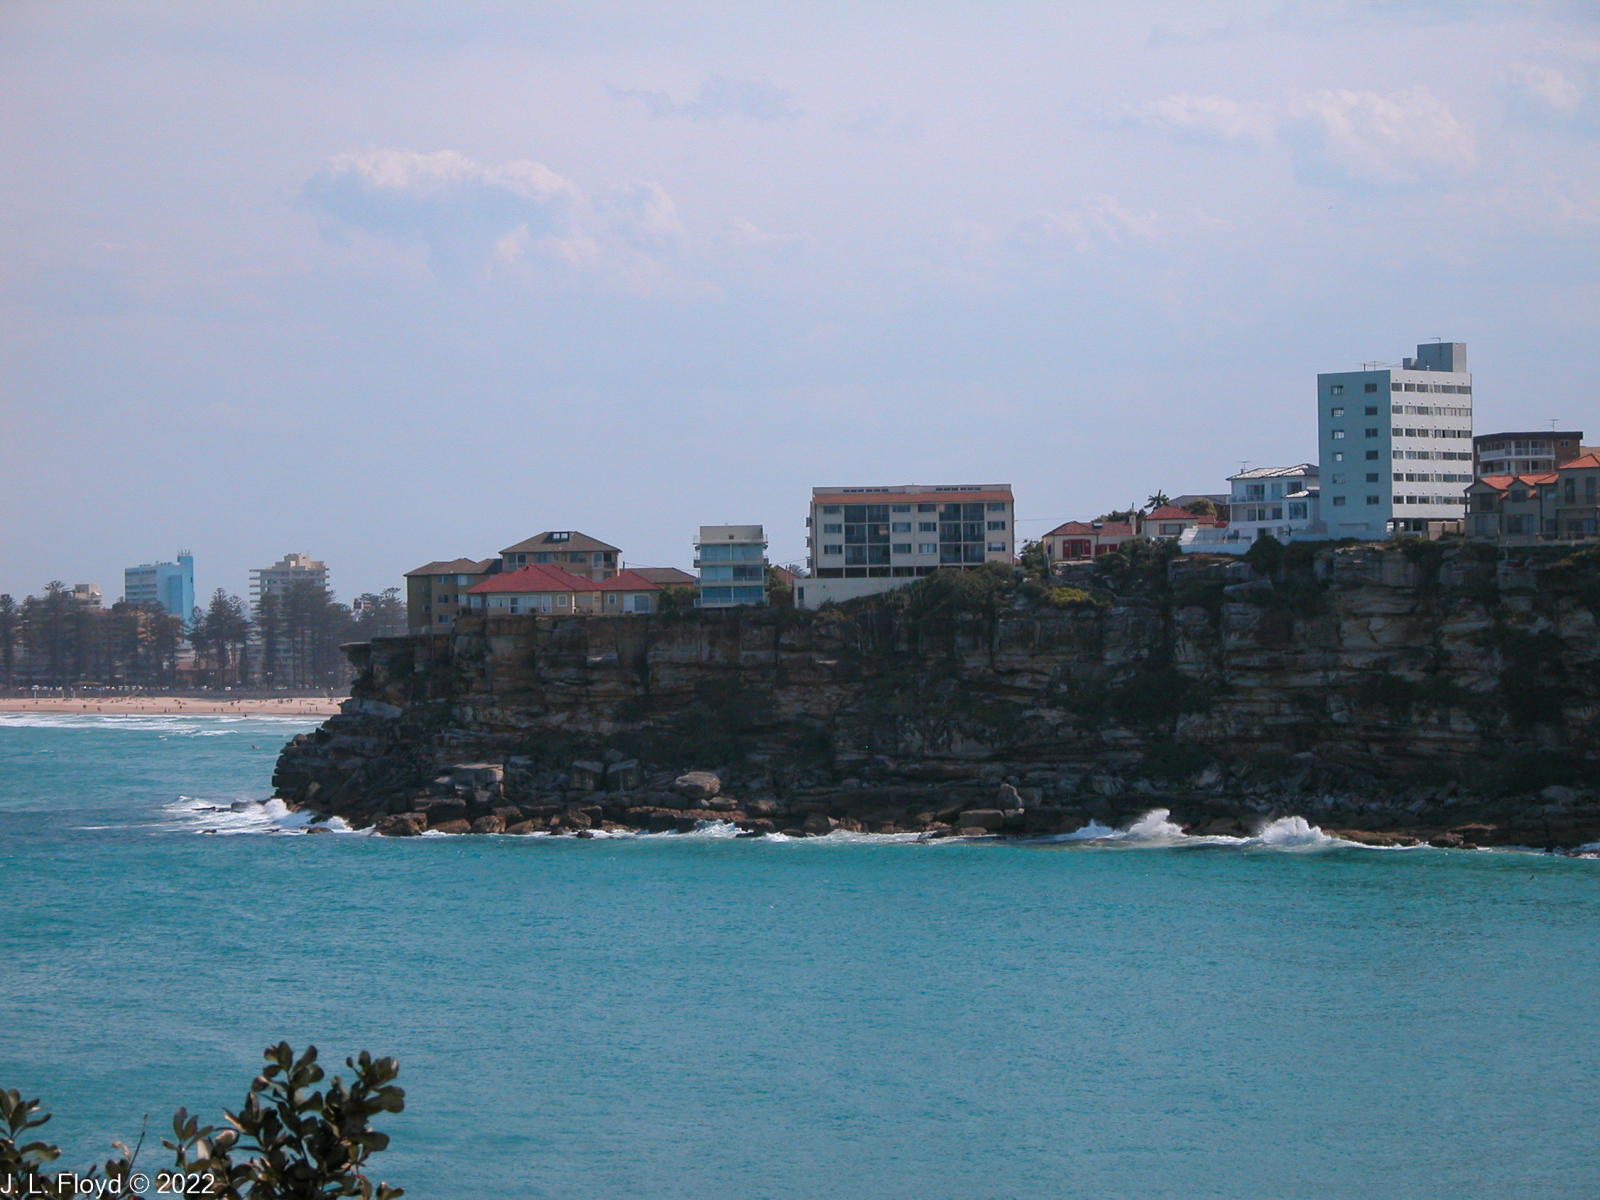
(287, 1141)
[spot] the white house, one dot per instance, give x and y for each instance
(1276, 502)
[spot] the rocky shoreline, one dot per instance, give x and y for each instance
(1388, 695)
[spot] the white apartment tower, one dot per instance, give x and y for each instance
(1396, 444)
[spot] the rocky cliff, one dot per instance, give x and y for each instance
(1418, 691)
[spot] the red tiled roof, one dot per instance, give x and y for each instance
(1582, 462)
(1501, 482)
(1168, 513)
(1083, 529)
(535, 579)
(628, 581)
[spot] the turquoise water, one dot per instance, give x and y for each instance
(703, 1017)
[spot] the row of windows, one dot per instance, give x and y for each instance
(716, 552)
(1297, 512)
(597, 557)
(1399, 431)
(947, 551)
(733, 571)
(1462, 389)
(880, 512)
(1339, 501)
(870, 533)
(1428, 410)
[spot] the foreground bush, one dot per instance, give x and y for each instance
(288, 1142)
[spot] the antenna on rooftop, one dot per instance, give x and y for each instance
(1553, 422)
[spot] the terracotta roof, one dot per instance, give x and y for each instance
(628, 581)
(571, 540)
(456, 566)
(534, 579)
(1501, 482)
(909, 497)
(1582, 462)
(1084, 529)
(666, 576)
(1168, 512)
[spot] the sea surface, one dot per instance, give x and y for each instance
(696, 1016)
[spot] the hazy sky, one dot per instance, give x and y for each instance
(392, 282)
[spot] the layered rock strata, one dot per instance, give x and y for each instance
(1448, 695)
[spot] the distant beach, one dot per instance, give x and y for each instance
(199, 706)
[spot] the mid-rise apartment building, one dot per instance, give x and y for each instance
(288, 571)
(865, 540)
(1524, 453)
(171, 585)
(732, 560)
(568, 549)
(1396, 444)
(436, 593)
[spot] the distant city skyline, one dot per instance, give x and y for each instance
(392, 284)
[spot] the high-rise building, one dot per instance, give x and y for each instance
(1396, 444)
(865, 540)
(278, 578)
(171, 585)
(733, 565)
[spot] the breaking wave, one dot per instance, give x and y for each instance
(1156, 828)
(245, 817)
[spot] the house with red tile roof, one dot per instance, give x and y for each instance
(545, 590)
(1081, 541)
(1511, 508)
(629, 592)
(1170, 521)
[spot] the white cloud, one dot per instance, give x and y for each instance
(1545, 87)
(498, 215)
(1097, 220)
(1210, 117)
(717, 98)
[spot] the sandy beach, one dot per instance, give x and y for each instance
(198, 706)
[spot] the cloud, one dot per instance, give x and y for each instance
(880, 123)
(472, 215)
(717, 98)
(1339, 137)
(1551, 97)
(1403, 139)
(1209, 118)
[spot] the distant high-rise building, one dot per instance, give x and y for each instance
(278, 578)
(88, 595)
(1396, 444)
(171, 585)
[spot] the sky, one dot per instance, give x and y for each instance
(386, 283)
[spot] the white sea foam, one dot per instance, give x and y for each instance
(246, 817)
(179, 724)
(1156, 828)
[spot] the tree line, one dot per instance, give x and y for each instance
(292, 639)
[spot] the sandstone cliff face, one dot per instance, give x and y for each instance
(1373, 690)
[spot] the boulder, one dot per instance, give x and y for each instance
(982, 818)
(817, 825)
(460, 826)
(1557, 794)
(697, 785)
(523, 828)
(492, 823)
(623, 775)
(401, 825)
(1009, 800)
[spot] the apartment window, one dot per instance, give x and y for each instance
(1297, 510)
(927, 527)
(833, 549)
(901, 547)
(1336, 390)
(900, 508)
(997, 506)
(541, 557)
(1394, 387)
(997, 547)
(1371, 387)
(1371, 455)
(611, 598)
(1371, 433)
(1338, 456)
(1338, 479)
(1336, 412)
(900, 527)
(927, 547)
(561, 601)
(835, 528)
(1569, 490)
(927, 508)
(1372, 477)
(1338, 501)
(831, 510)
(1372, 499)
(1338, 435)
(1372, 410)
(997, 526)
(1588, 489)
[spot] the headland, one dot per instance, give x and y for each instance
(1439, 692)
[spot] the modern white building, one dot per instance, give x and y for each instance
(1277, 502)
(277, 579)
(865, 540)
(732, 560)
(171, 585)
(1396, 444)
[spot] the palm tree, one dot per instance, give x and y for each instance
(1156, 501)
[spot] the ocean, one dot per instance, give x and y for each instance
(698, 1016)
